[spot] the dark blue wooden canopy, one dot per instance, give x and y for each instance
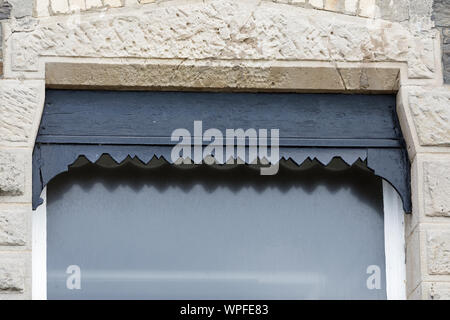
(140, 124)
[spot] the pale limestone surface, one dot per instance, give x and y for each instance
(11, 276)
(13, 227)
(431, 112)
(12, 174)
(18, 103)
(438, 252)
(351, 6)
(437, 189)
(437, 291)
(75, 5)
(228, 30)
(316, 3)
(113, 3)
(59, 6)
(220, 75)
(432, 291)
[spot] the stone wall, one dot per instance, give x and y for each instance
(313, 45)
(441, 17)
(15, 9)
(403, 11)
(398, 10)
(5, 11)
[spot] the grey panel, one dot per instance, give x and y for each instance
(205, 233)
(99, 114)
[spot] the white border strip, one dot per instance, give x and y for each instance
(39, 250)
(394, 238)
(394, 243)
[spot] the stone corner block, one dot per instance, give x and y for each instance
(20, 103)
(436, 290)
(427, 257)
(21, 8)
(59, 6)
(438, 251)
(15, 175)
(437, 188)
(12, 174)
(430, 110)
(414, 266)
(113, 3)
(15, 227)
(12, 275)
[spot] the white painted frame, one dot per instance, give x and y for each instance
(39, 250)
(394, 244)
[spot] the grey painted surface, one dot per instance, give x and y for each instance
(157, 114)
(49, 160)
(13, 8)
(21, 8)
(5, 9)
(215, 234)
(393, 11)
(446, 53)
(441, 17)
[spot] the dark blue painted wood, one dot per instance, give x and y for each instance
(139, 124)
(157, 114)
(164, 141)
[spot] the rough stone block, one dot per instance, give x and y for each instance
(19, 102)
(12, 275)
(437, 188)
(438, 252)
(113, 3)
(92, 4)
(335, 5)
(422, 8)
(446, 60)
(436, 290)
(367, 8)
(446, 35)
(441, 17)
(316, 3)
(351, 6)
(226, 30)
(13, 227)
(397, 10)
(431, 114)
(5, 10)
(441, 13)
(1, 49)
(77, 5)
(414, 272)
(21, 8)
(12, 173)
(59, 6)
(42, 8)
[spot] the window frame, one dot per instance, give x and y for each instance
(394, 243)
